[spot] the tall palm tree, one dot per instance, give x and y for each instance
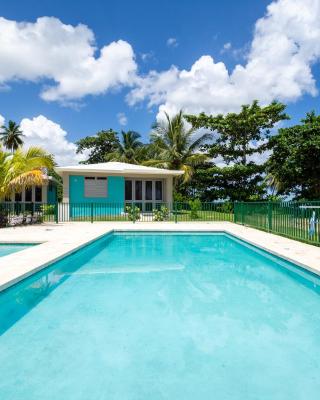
(129, 149)
(177, 146)
(11, 136)
(23, 169)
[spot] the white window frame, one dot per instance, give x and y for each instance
(144, 180)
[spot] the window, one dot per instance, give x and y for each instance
(158, 190)
(95, 186)
(38, 194)
(138, 190)
(18, 197)
(28, 194)
(148, 190)
(128, 190)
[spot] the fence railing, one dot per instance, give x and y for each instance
(12, 214)
(294, 219)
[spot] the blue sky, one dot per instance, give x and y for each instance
(160, 35)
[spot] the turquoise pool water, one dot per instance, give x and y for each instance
(162, 316)
(6, 249)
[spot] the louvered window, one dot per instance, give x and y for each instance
(95, 186)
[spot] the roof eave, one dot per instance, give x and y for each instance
(60, 171)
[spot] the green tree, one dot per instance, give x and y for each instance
(241, 140)
(294, 166)
(98, 146)
(129, 150)
(176, 146)
(11, 136)
(23, 169)
(211, 182)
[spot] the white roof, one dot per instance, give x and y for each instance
(118, 168)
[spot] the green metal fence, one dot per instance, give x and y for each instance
(292, 219)
(12, 214)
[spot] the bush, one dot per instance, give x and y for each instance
(195, 206)
(162, 214)
(133, 213)
(47, 209)
(3, 218)
(226, 207)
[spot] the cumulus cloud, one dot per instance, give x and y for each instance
(122, 119)
(50, 50)
(41, 131)
(172, 42)
(285, 45)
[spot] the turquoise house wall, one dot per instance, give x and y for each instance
(51, 194)
(81, 205)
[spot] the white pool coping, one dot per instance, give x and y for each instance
(59, 240)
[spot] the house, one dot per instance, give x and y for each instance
(113, 185)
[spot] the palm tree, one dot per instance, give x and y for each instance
(11, 136)
(23, 169)
(177, 146)
(130, 149)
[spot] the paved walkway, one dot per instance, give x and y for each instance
(58, 240)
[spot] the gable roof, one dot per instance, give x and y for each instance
(118, 168)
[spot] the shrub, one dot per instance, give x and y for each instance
(47, 209)
(133, 213)
(195, 206)
(161, 214)
(226, 207)
(3, 218)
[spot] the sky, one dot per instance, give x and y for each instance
(71, 68)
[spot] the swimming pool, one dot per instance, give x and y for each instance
(162, 316)
(9, 248)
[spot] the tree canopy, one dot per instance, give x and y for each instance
(11, 136)
(294, 165)
(176, 146)
(23, 169)
(236, 156)
(128, 150)
(98, 146)
(240, 141)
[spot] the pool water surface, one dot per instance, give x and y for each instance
(10, 248)
(162, 316)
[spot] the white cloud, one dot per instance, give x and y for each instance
(172, 42)
(285, 45)
(122, 119)
(41, 131)
(227, 46)
(65, 54)
(2, 120)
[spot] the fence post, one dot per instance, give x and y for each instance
(269, 216)
(134, 213)
(56, 211)
(175, 212)
(242, 212)
(91, 212)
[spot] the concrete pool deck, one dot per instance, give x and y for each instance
(59, 240)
